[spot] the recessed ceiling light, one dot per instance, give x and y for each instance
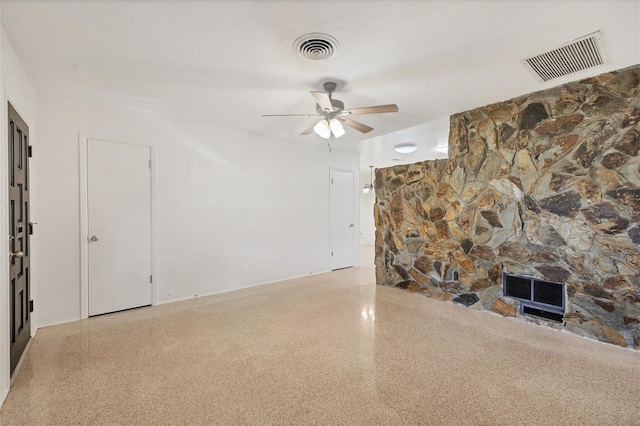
(405, 148)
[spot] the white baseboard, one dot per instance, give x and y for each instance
(178, 299)
(48, 322)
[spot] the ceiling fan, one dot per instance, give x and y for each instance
(334, 115)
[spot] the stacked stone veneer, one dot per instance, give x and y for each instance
(545, 185)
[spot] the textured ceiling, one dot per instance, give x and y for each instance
(228, 62)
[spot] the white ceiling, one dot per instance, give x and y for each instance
(229, 62)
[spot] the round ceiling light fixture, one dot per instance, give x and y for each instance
(315, 46)
(405, 148)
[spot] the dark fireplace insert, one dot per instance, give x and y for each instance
(539, 298)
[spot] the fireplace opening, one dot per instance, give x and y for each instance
(549, 293)
(517, 287)
(539, 298)
(541, 313)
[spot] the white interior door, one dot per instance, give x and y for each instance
(342, 219)
(119, 207)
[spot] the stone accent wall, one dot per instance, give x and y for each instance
(545, 185)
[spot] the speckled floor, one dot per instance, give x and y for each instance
(326, 349)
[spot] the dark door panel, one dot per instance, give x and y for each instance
(19, 274)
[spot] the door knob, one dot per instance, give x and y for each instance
(17, 254)
(351, 225)
(94, 238)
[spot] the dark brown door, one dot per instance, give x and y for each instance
(19, 228)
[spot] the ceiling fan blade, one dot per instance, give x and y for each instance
(373, 109)
(290, 115)
(356, 125)
(309, 129)
(322, 98)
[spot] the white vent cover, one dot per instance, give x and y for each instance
(581, 54)
(315, 46)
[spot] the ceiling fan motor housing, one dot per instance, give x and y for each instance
(337, 106)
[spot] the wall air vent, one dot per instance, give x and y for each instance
(315, 46)
(581, 54)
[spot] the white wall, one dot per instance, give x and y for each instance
(367, 226)
(18, 89)
(223, 197)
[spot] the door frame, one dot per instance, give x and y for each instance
(355, 243)
(83, 143)
(5, 320)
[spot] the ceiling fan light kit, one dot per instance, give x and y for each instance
(322, 129)
(336, 128)
(333, 116)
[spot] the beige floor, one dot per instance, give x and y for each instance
(325, 349)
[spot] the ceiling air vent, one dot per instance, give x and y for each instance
(316, 46)
(581, 54)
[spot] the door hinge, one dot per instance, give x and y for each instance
(30, 151)
(150, 279)
(30, 305)
(331, 253)
(149, 163)
(331, 180)
(31, 227)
